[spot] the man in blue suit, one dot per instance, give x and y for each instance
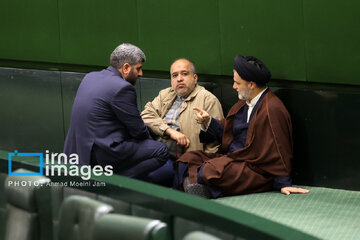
(106, 127)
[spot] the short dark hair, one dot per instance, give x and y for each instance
(126, 53)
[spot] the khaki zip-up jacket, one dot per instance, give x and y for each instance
(155, 111)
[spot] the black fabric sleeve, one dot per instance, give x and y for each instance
(213, 134)
(280, 182)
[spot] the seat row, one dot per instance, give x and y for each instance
(80, 217)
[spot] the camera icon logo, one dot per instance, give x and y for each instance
(23, 157)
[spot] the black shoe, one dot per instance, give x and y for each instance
(198, 190)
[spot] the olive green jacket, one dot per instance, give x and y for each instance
(155, 111)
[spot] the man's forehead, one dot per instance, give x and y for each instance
(180, 65)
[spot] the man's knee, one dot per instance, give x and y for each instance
(162, 152)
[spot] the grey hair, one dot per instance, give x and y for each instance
(126, 53)
(192, 65)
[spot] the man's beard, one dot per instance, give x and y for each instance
(244, 95)
(182, 92)
(132, 77)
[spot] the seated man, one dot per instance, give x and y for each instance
(256, 139)
(106, 127)
(170, 116)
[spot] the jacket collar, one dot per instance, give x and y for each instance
(194, 93)
(115, 71)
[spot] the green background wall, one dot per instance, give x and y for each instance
(302, 40)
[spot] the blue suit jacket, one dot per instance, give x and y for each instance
(104, 112)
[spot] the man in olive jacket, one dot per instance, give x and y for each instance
(170, 116)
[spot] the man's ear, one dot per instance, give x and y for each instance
(195, 78)
(125, 69)
(252, 85)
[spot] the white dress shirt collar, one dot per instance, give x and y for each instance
(252, 103)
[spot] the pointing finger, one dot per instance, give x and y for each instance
(198, 110)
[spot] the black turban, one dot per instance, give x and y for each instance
(252, 69)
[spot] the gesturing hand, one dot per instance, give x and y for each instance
(202, 117)
(180, 138)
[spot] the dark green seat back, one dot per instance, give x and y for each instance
(78, 215)
(200, 235)
(25, 208)
(117, 226)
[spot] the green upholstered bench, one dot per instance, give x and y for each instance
(324, 213)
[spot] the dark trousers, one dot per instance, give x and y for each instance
(162, 176)
(133, 158)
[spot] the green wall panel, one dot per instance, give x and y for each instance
(91, 29)
(138, 95)
(2, 205)
(30, 103)
(29, 30)
(299, 40)
(325, 135)
(174, 29)
(70, 82)
(269, 30)
(332, 39)
(149, 89)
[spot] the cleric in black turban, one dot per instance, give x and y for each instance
(252, 69)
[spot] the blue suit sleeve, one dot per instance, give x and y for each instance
(280, 182)
(213, 134)
(124, 105)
